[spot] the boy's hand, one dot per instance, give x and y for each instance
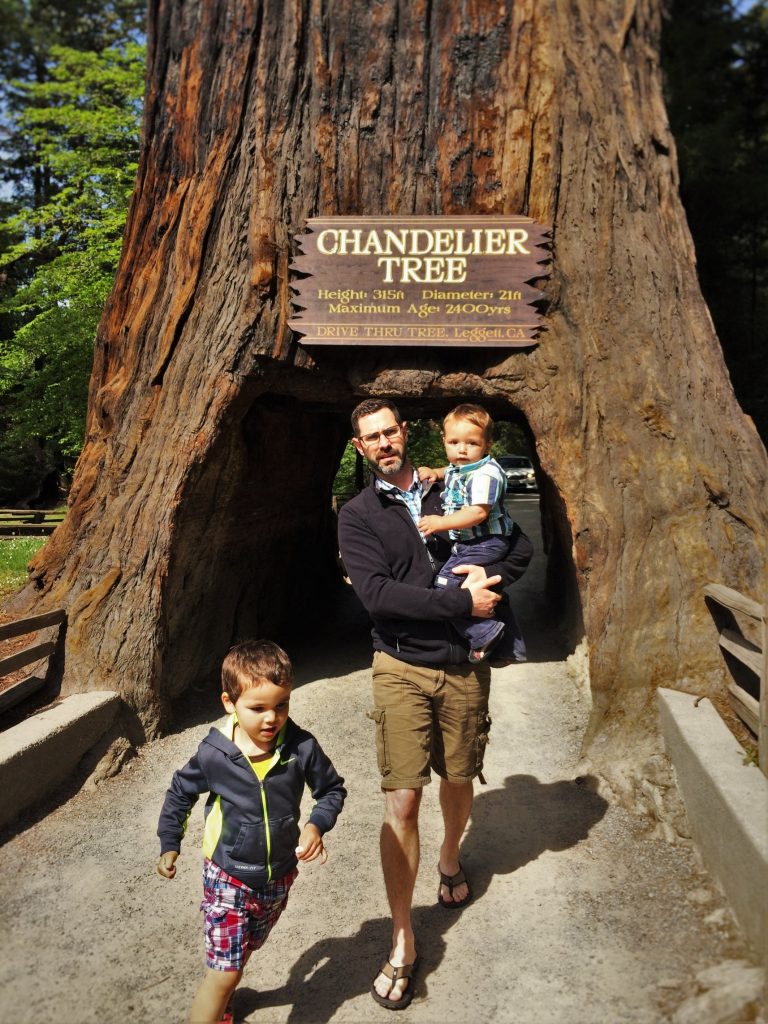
(430, 524)
(166, 865)
(311, 845)
(427, 475)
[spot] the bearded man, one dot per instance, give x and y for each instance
(430, 702)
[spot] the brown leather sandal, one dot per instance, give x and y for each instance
(394, 974)
(451, 881)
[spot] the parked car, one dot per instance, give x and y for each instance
(519, 472)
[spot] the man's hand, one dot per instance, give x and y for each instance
(431, 524)
(311, 845)
(166, 865)
(477, 583)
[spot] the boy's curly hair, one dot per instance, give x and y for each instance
(248, 662)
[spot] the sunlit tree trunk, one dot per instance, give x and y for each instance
(200, 510)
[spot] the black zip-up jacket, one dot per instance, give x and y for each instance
(251, 826)
(392, 571)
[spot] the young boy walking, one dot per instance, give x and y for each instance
(254, 770)
(477, 521)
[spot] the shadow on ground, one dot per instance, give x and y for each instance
(510, 828)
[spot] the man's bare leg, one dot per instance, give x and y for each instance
(456, 804)
(400, 864)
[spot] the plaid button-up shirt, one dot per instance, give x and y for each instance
(410, 498)
(480, 483)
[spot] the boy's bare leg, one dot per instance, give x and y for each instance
(400, 864)
(212, 996)
(456, 804)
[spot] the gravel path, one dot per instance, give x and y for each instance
(579, 917)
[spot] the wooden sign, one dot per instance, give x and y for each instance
(419, 281)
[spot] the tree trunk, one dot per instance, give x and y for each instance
(200, 510)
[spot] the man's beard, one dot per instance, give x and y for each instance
(385, 471)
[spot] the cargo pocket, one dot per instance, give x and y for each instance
(483, 739)
(379, 716)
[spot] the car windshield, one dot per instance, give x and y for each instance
(514, 462)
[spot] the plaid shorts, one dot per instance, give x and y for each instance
(238, 919)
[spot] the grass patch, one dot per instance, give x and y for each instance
(15, 553)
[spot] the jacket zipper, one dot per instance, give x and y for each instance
(267, 836)
(433, 567)
(448, 635)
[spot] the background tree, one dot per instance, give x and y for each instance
(70, 146)
(715, 58)
(200, 509)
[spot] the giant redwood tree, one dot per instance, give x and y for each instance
(200, 509)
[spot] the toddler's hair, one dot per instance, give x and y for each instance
(475, 414)
(248, 662)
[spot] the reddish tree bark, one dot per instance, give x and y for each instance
(200, 507)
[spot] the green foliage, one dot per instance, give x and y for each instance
(425, 443)
(715, 58)
(15, 554)
(344, 483)
(83, 125)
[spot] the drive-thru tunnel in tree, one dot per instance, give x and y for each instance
(201, 505)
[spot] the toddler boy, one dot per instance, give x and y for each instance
(477, 521)
(254, 769)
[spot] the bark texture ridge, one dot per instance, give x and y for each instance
(200, 510)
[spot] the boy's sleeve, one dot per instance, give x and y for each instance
(186, 786)
(484, 486)
(326, 786)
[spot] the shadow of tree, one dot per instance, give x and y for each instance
(510, 827)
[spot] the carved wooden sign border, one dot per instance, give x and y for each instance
(458, 281)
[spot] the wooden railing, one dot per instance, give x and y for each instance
(36, 652)
(752, 711)
(28, 522)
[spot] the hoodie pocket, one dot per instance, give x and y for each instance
(250, 846)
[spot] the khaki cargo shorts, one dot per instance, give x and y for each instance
(429, 719)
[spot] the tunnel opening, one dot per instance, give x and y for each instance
(257, 553)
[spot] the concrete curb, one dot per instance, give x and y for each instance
(727, 806)
(38, 754)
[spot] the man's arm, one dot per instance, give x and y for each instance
(382, 596)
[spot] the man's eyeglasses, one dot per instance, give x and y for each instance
(388, 433)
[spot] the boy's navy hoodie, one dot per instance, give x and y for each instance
(251, 826)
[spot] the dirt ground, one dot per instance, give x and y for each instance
(579, 917)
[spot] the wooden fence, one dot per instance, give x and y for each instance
(28, 522)
(36, 652)
(752, 711)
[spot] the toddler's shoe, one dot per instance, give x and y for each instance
(478, 654)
